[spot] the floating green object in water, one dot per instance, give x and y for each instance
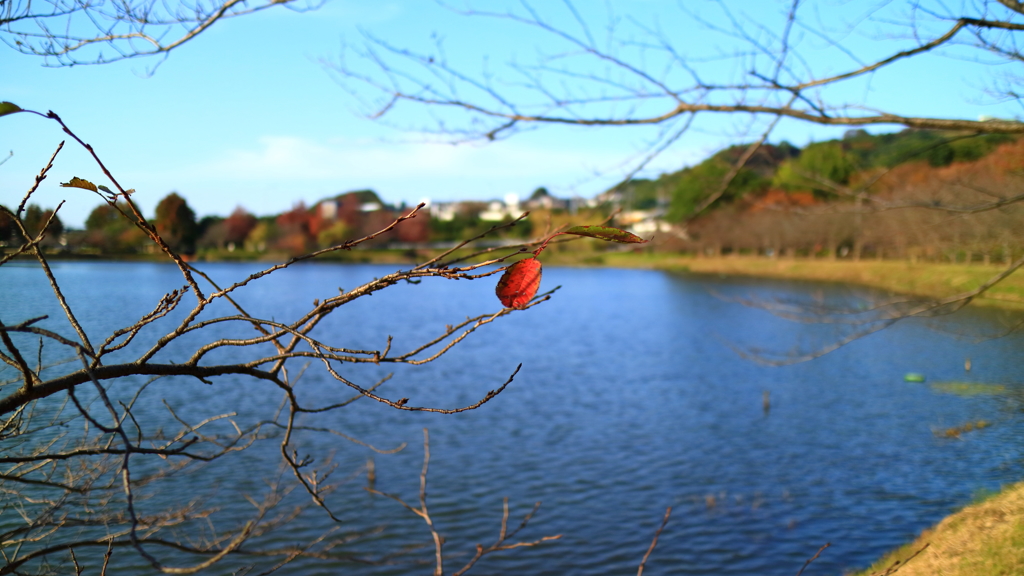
(913, 377)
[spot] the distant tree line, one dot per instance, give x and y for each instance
(911, 194)
(299, 230)
(295, 231)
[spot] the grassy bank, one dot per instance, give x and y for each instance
(984, 538)
(922, 279)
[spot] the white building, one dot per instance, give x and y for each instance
(498, 210)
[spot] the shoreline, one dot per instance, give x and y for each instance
(922, 279)
(984, 537)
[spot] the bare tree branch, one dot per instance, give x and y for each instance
(75, 32)
(116, 455)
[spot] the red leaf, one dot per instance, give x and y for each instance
(519, 284)
(606, 233)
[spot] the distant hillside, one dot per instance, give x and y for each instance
(784, 167)
(680, 191)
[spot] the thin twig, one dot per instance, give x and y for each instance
(813, 558)
(654, 541)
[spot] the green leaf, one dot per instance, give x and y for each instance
(8, 108)
(77, 182)
(606, 233)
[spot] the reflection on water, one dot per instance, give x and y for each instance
(630, 400)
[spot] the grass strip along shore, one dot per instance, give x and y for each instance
(984, 538)
(925, 279)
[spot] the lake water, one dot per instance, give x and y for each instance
(631, 398)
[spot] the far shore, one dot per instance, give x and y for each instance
(924, 279)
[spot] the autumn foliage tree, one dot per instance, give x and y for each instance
(293, 230)
(238, 225)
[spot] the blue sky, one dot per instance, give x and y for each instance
(247, 113)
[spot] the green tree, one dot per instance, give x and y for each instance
(102, 217)
(697, 183)
(111, 231)
(816, 166)
(35, 218)
(262, 235)
(176, 223)
(967, 150)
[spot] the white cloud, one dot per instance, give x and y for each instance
(290, 158)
